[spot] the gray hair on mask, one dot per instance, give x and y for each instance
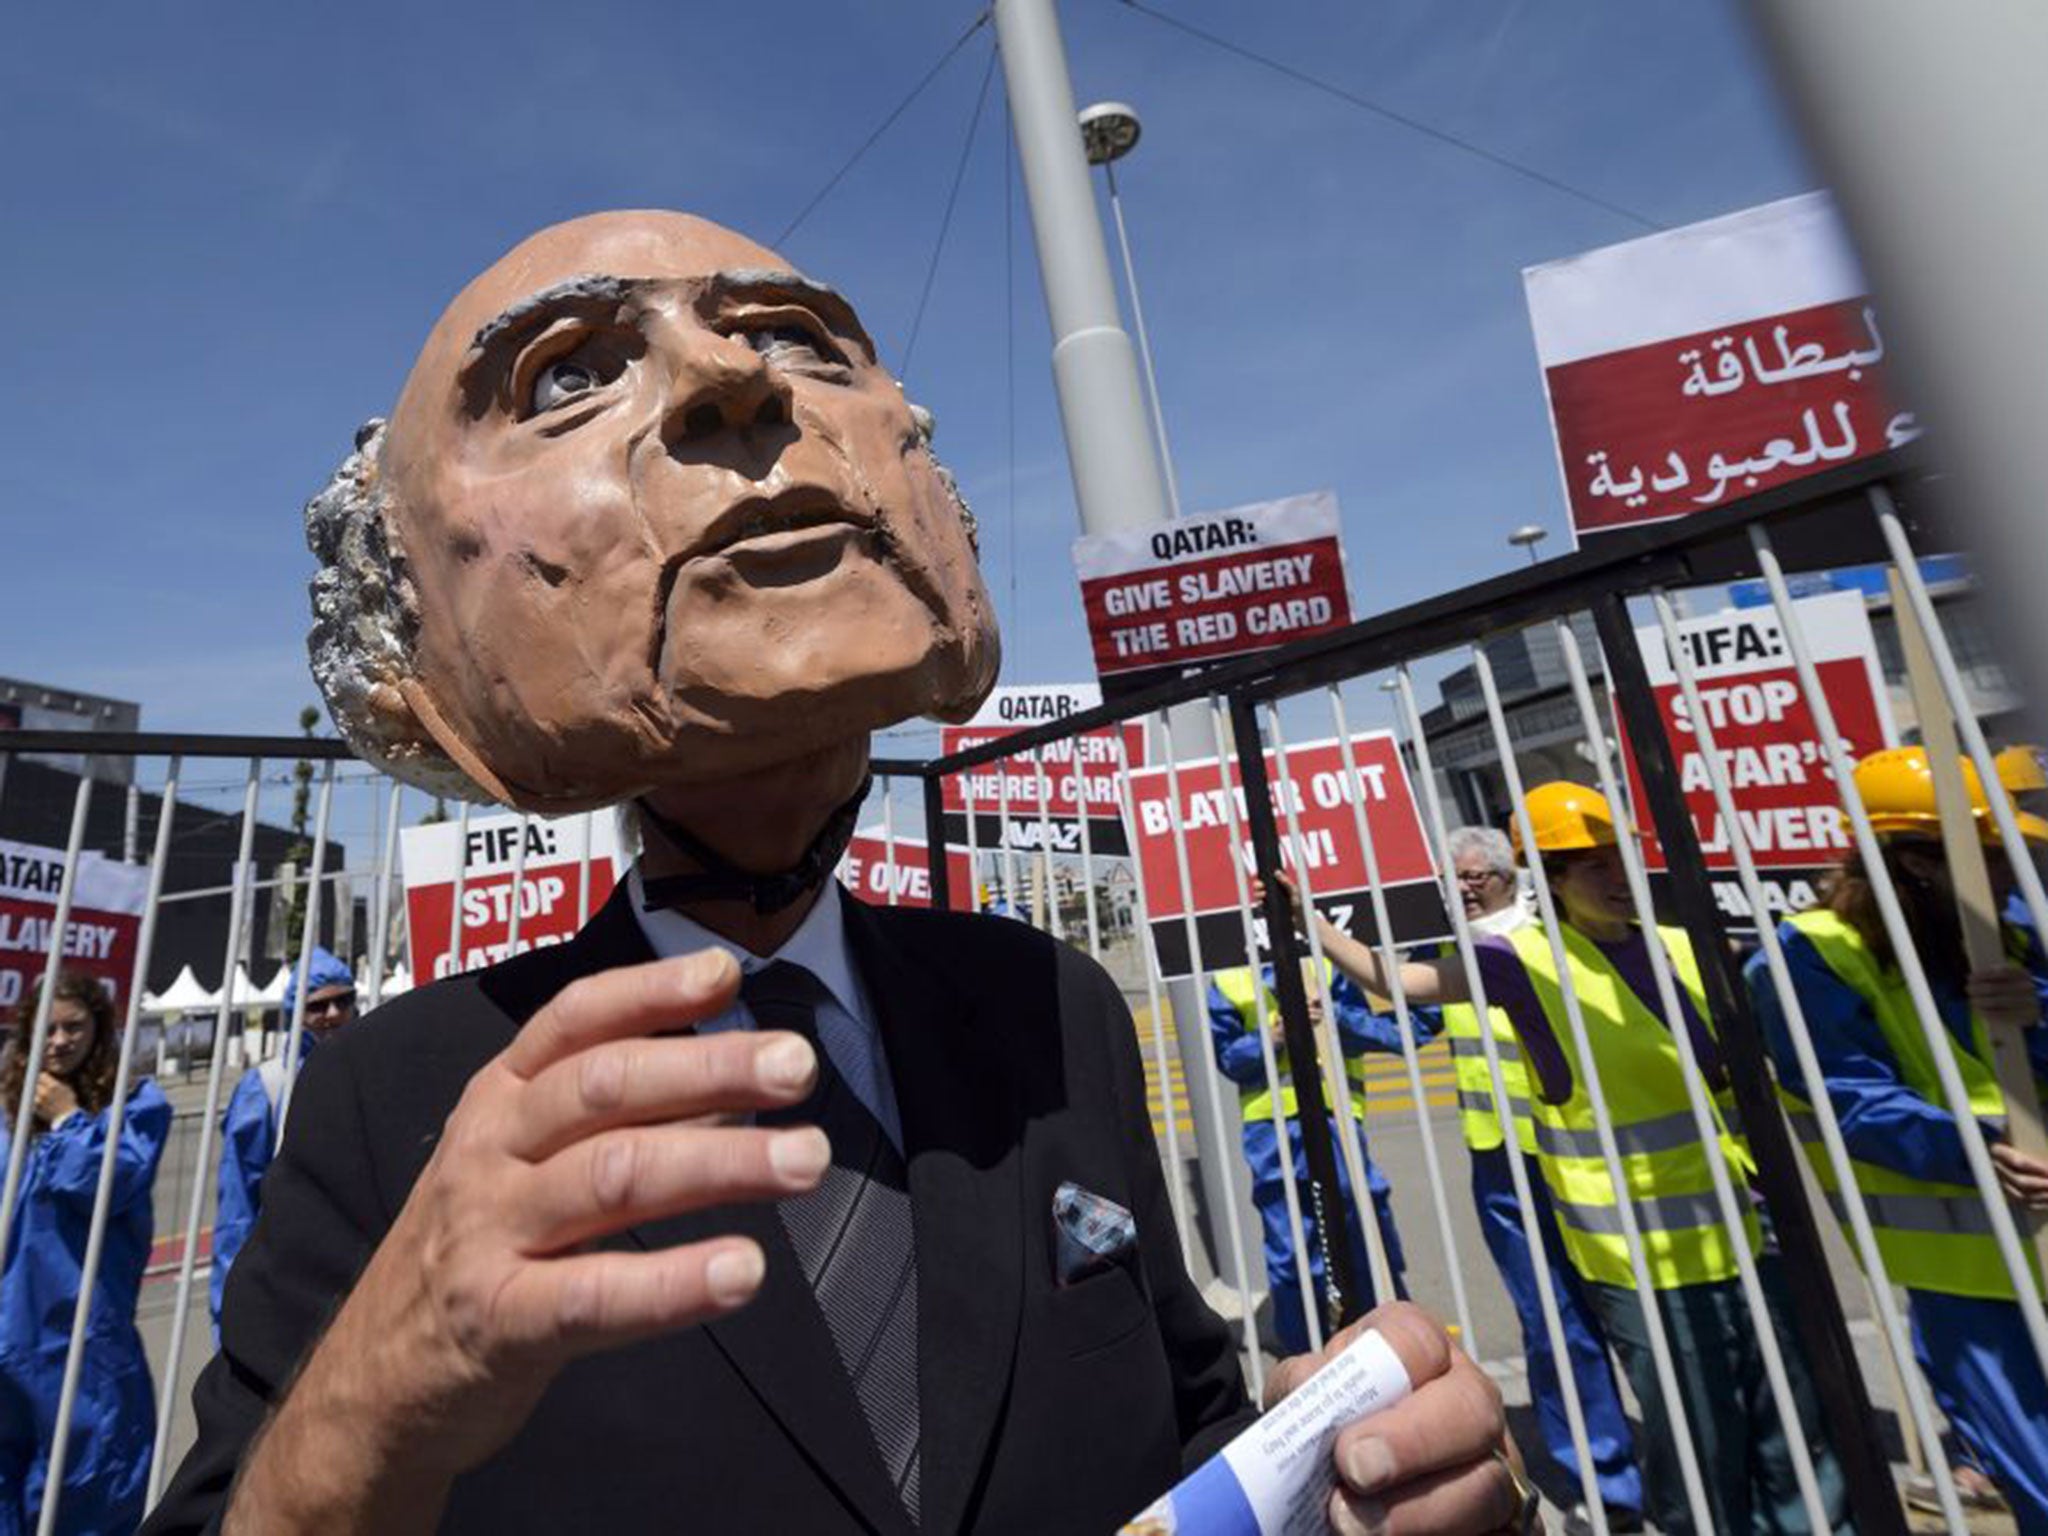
(1490, 843)
(366, 625)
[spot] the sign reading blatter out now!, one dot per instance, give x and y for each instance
(1205, 589)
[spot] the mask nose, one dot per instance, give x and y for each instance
(721, 384)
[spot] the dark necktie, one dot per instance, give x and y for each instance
(852, 1234)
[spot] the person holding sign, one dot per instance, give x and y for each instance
(751, 1207)
(1881, 1081)
(1234, 1013)
(1744, 1457)
(248, 1131)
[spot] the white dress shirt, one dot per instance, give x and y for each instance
(846, 1021)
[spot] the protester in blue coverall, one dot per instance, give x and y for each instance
(249, 1131)
(1967, 1330)
(1233, 1029)
(113, 1421)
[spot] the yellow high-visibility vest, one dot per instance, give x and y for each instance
(1240, 988)
(1476, 1112)
(1932, 1236)
(1662, 1157)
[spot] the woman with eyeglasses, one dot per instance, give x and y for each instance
(114, 1417)
(249, 1130)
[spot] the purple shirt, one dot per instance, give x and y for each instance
(1508, 987)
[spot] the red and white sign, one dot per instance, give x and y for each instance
(1039, 792)
(550, 893)
(99, 936)
(1770, 749)
(1316, 787)
(877, 868)
(1205, 588)
(1693, 367)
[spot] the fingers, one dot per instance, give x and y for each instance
(2024, 1178)
(592, 1301)
(1417, 1338)
(621, 1178)
(630, 1000)
(1474, 1498)
(639, 1080)
(1445, 1424)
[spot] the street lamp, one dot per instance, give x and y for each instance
(1528, 536)
(1109, 131)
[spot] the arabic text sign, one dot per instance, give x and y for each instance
(99, 938)
(1696, 366)
(1769, 747)
(549, 889)
(1209, 587)
(870, 873)
(1335, 863)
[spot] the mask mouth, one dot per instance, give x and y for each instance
(755, 518)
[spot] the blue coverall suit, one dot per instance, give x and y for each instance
(248, 1135)
(113, 1422)
(1239, 1057)
(1973, 1350)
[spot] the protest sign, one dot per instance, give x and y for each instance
(1037, 791)
(875, 865)
(1769, 746)
(1315, 785)
(1693, 367)
(1202, 589)
(99, 936)
(550, 893)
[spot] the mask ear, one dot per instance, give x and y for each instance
(430, 720)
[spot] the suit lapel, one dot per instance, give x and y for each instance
(962, 1136)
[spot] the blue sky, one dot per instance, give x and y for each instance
(233, 223)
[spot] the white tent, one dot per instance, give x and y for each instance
(183, 995)
(399, 980)
(243, 992)
(272, 996)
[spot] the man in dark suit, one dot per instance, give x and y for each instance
(751, 1208)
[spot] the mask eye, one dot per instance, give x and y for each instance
(559, 382)
(797, 348)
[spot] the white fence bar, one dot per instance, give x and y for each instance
(1222, 1126)
(518, 883)
(889, 836)
(1055, 924)
(1003, 839)
(1519, 1174)
(973, 842)
(1274, 1088)
(308, 938)
(582, 870)
(1087, 847)
(103, 1190)
(1957, 1097)
(380, 906)
(456, 956)
(1337, 1085)
(39, 1032)
(1397, 994)
(1603, 1121)
(209, 1120)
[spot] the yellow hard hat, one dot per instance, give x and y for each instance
(1897, 787)
(2020, 771)
(1567, 816)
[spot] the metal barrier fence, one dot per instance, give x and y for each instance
(1230, 729)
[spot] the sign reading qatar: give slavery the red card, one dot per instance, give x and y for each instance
(1202, 589)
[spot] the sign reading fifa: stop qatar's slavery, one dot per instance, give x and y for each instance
(552, 895)
(1766, 741)
(1693, 367)
(1315, 786)
(99, 936)
(896, 872)
(1032, 799)
(1204, 589)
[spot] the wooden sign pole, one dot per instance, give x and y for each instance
(1983, 941)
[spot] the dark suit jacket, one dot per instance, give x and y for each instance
(1045, 1409)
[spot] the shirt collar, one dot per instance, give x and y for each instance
(819, 944)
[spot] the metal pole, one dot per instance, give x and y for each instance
(512, 923)
(380, 911)
(1123, 245)
(1080, 783)
(103, 1191)
(1312, 1112)
(941, 884)
(209, 1119)
(1055, 924)
(1821, 1328)
(889, 837)
(455, 955)
(307, 940)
